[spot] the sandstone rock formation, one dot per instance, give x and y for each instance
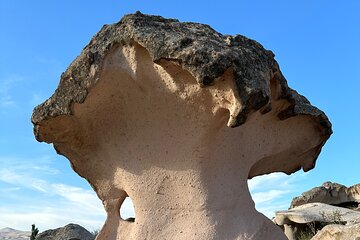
(68, 232)
(298, 218)
(331, 193)
(339, 232)
(319, 212)
(177, 117)
(318, 205)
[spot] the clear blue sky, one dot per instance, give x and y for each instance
(315, 42)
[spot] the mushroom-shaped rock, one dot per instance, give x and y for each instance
(178, 116)
(317, 212)
(300, 218)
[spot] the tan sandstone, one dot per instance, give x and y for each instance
(339, 232)
(177, 117)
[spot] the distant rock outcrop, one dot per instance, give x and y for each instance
(318, 212)
(12, 234)
(331, 203)
(69, 232)
(331, 193)
(315, 215)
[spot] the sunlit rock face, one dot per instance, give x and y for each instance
(331, 193)
(177, 117)
(335, 232)
(310, 218)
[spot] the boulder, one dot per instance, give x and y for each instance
(313, 215)
(178, 117)
(338, 232)
(68, 232)
(330, 193)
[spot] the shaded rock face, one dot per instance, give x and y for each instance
(338, 232)
(69, 232)
(177, 117)
(331, 193)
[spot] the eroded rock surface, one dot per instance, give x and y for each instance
(317, 212)
(339, 232)
(328, 204)
(68, 232)
(177, 117)
(331, 193)
(313, 215)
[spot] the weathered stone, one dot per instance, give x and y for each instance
(318, 212)
(68, 232)
(339, 232)
(299, 217)
(330, 193)
(145, 112)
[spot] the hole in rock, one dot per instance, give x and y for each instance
(273, 192)
(127, 211)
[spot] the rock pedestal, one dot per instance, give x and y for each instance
(177, 117)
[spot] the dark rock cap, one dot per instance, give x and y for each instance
(197, 48)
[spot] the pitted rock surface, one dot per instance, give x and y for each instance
(199, 49)
(177, 117)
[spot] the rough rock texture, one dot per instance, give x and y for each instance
(339, 232)
(330, 193)
(69, 232)
(319, 212)
(319, 205)
(299, 217)
(177, 117)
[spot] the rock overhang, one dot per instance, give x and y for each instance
(158, 108)
(201, 51)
